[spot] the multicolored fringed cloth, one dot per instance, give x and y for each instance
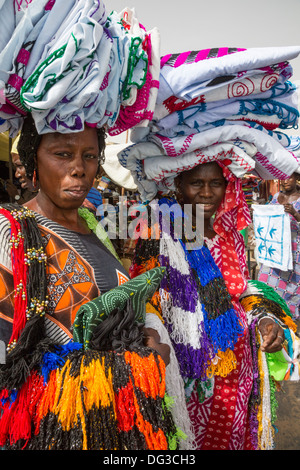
(194, 302)
(260, 301)
(90, 400)
(105, 393)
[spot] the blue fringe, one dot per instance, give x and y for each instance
(56, 359)
(224, 330)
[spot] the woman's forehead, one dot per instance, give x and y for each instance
(205, 170)
(88, 134)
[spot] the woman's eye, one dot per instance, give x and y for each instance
(62, 154)
(91, 156)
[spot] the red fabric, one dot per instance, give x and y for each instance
(219, 429)
(233, 213)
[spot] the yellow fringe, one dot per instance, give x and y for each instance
(290, 324)
(222, 364)
(151, 309)
(262, 424)
(73, 397)
(71, 401)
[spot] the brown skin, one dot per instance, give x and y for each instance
(67, 165)
(205, 184)
(290, 194)
(152, 340)
(20, 173)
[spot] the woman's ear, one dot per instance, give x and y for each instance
(178, 189)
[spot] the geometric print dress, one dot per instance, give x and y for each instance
(79, 268)
(286, 283)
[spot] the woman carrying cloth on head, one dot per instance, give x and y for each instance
(232, 336)
(80, 370)
(214, 322)
(52, 265)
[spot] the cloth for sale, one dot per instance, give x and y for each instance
(286, 283)
(275, 108)
(272, 231)
(295, 146)
(156, 162)
(222, 104)
(86, 67)
(188, 74)
(92, 313)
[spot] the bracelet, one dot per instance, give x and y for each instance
(271, 317)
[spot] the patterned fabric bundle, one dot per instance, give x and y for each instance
(85, 67)
(217, 105)
(107, 392)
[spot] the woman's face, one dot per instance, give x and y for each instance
(204, 184)
(67, 165)
(290, 183)
(20, 173)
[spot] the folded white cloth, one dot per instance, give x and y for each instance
(155, 163)
(272, 231)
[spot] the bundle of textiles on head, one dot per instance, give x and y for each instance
(227, 104)
(104, 390)
(69, 63)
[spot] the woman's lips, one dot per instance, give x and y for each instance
(208, 207)
(77, 193)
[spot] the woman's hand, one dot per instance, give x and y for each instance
(152, 340)
(289, 208)
(272, 334)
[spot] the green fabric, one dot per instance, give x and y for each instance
(277, 364)
(98, 229)
(92, 313)
(244, 232)
(271, 294)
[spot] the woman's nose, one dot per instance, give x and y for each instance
(206, 190)
(78, 166)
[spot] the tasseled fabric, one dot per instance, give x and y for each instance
(65, 397)
(194, 301)
(95, 400)
(259, 301)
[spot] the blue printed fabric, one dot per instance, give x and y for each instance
(273, 236)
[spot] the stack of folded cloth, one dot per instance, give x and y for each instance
(69, 64)
(228, 104)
